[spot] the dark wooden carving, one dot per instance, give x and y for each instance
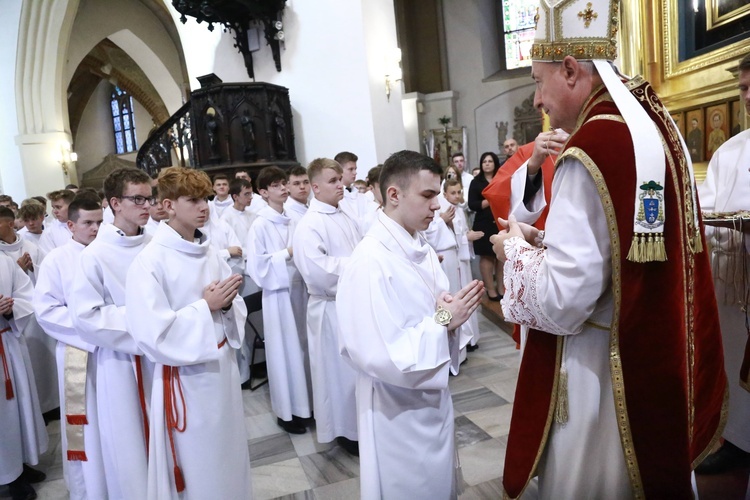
(223, 128)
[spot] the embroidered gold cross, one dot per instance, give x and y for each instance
(588, 15)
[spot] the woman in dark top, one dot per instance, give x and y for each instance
(484, 221)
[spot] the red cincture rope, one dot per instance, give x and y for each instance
(142, 398)
(6, 371)
(173, 389)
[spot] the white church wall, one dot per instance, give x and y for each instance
(333, 64)
(471, 40)
(11, 173)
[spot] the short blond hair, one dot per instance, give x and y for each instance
(174, 182)
(316, 167)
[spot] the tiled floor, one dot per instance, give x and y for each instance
(297, 466)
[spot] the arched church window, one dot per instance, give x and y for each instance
(517, 35)
(123, 121)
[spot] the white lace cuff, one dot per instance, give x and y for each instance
(521, 302)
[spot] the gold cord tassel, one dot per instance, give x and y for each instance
(561, 410)
(636, 249)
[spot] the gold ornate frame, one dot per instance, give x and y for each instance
(714, 19)
(672, 64)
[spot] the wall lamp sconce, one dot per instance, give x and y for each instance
(65, 157)
(393, 71)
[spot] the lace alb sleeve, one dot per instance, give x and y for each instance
(521, 303)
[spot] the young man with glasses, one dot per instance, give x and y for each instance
(98, 304)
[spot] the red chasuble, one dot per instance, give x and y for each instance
(497, 193)
(665, 358)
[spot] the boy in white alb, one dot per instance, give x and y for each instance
(374, 205)
(156, 214)
(83, 467)
(23, 437)
(97, 300)
(401, 329)
(184, 312)
(237, 216)
(222, 200)
(41, 348)
(299, 194)
(354, 203)
(461, 273)
(32, 215)
(323, 241)
(56, 233)
(270, 265)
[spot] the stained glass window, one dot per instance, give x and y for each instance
(123, 121)
(518, 25)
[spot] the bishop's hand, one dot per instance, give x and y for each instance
(512, 229)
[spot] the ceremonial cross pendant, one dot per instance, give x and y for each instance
(587, 15)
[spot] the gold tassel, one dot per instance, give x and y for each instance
(661, 249)
(561, 410)
(697, 242)
(649, 248)
(636, 249)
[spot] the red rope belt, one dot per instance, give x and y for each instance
(142, 398)
(6, 370)
(172, 413)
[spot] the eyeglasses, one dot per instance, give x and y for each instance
(141, 200)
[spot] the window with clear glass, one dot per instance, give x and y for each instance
(123, 121)
(518, 28)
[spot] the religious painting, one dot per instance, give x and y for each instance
(717, 127)
(737, 111)
(679, 120)
(694, 134)
(719, 12)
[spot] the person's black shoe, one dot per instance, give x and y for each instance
(726, 458)
(351, 447)
(32, 475)
(472, 348)
(20, 489)
(304, 422)
(51, 415)
(291, 426)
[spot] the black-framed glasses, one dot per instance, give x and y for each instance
(141, 200)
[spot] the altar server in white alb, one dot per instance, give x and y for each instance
(156, 214)
(270, 265)
(323, 243)
(98, 303)
(184, 312)
(23, 437)
(237, 216)
(354, 203)
(452, 197)
(727, 189)
(56, 231)
(401, 329)
(32, 215)
(299, 194)
(83, 467)
(41, 347)
(222, 200)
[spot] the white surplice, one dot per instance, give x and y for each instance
(23, 437)
(28, 235)
(270, 265)
(464, 254)
(41, 346)
(172, 324)
(97, 300)
(294, 209)
(355, 205)
(323, 242)
(85, 479)
(556, 289)
(240, 222)
(217, 207)
(55, 234)
(151, 227)
(727, 189)
(257, 204)
(386, 300)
